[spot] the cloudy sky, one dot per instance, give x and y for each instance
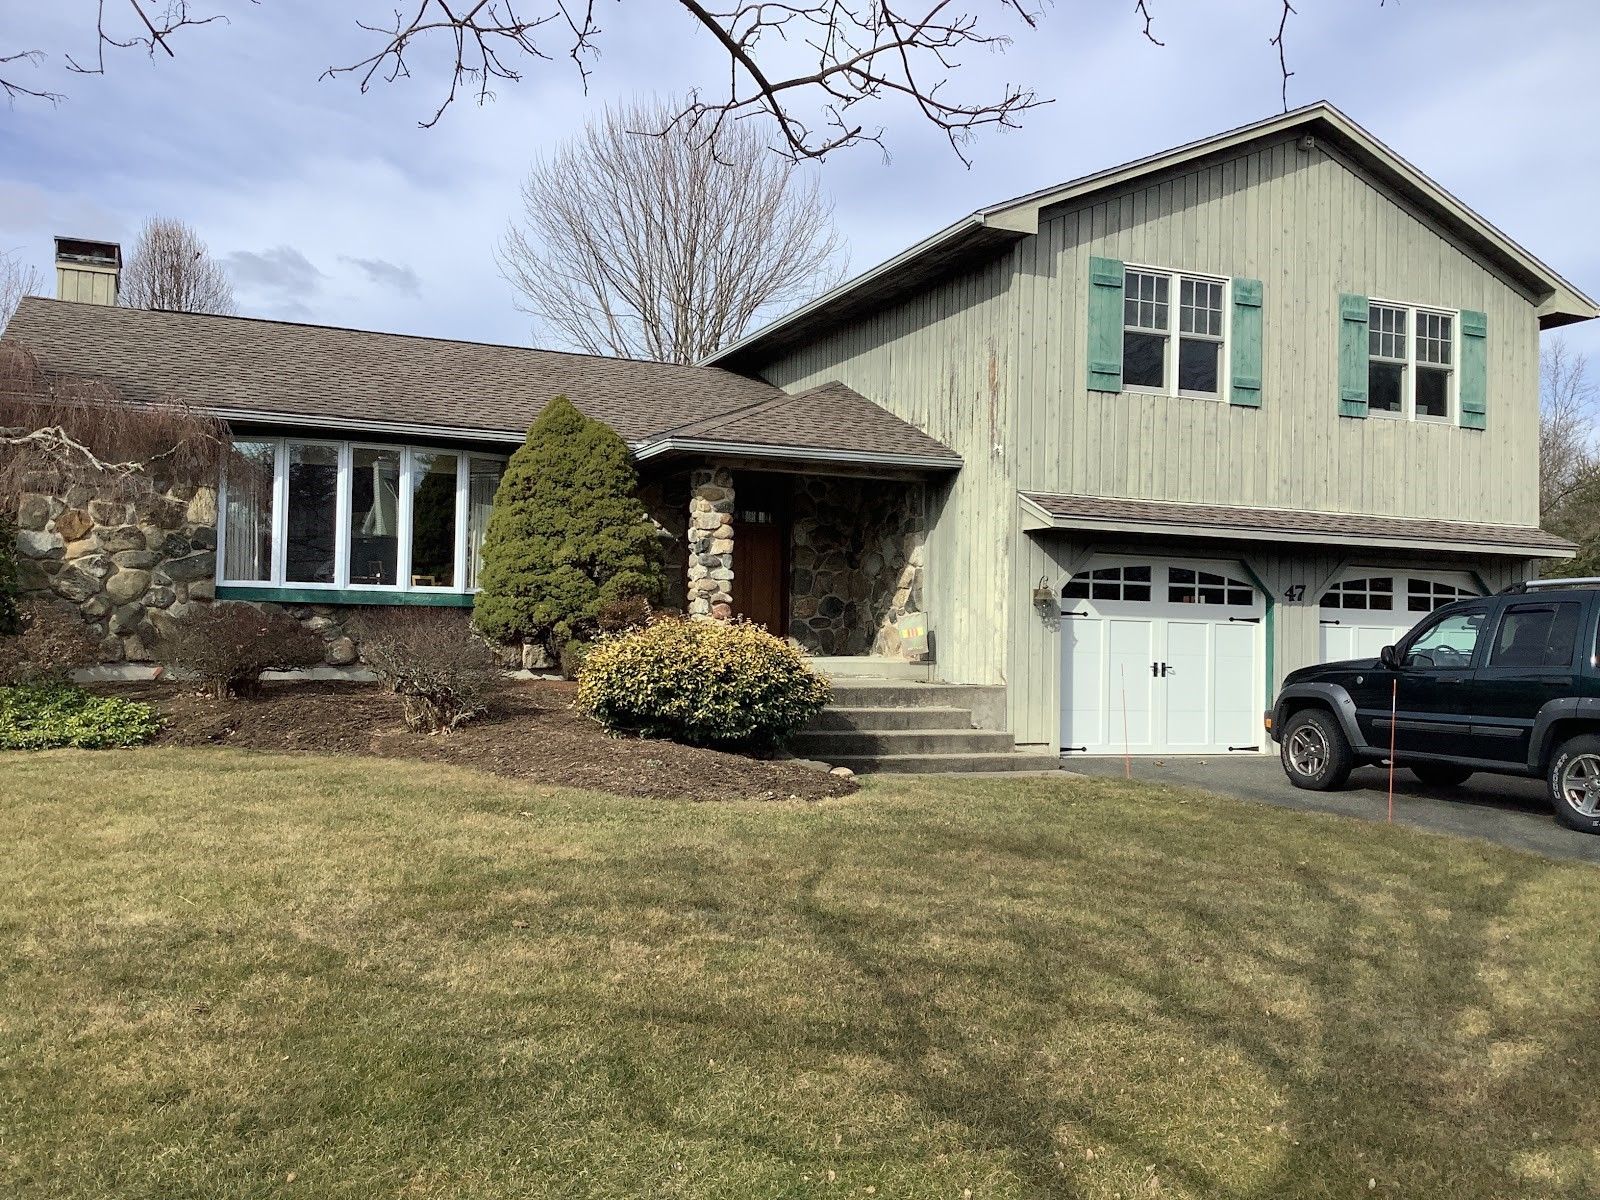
(332, 206)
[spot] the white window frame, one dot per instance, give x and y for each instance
(1169, 370)
(1408, 380)
(342, 535)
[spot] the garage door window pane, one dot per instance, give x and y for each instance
(1374, 592)
(313, 512)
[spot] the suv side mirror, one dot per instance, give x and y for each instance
(1389, 658)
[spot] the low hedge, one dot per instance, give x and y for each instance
(47, 716)
(704, 683)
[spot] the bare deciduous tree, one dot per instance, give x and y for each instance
(665, 247)
(1567, 399)
(171, 268)
(812, 67)
(17, 279)
(60, 430)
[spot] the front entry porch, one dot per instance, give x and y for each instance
(832, 561)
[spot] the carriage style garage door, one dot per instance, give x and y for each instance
(1368, 608)
(1161, 658)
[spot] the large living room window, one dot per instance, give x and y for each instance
(302, 513)
(1411, 354)
(1173, 348)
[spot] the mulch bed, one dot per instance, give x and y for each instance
(530, 733)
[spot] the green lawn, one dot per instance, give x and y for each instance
(229, 976)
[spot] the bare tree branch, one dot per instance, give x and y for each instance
(56, 431)
(159, 21)
(702, 234)
(1283, 61)
(13, 89)
(1568, 461)
(171, 268)
(17, 279)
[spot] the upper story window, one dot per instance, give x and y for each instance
(1176, 357)
(301, 513)
(1411, 356)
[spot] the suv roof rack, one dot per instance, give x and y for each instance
(1534, 585)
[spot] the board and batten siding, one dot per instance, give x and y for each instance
(943, 362)
(992, 361)
(1310, 227)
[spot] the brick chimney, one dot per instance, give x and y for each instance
(89, 272)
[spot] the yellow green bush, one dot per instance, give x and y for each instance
(704, 683)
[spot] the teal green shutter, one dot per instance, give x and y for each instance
(1474, 370)
(1105, 325)
(1246, 352)
(1353, 356)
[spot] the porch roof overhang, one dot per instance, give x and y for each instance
(1049, 510)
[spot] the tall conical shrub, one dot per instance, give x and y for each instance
(568, 533)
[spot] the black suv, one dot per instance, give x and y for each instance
(1507, 683)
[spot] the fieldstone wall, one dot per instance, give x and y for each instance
(710, 542)
(856, 563)
(132, 566)
(667, 502)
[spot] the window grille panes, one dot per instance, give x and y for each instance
(1434, 348)
(1144, 302)
(1130, 583)
(1200, 307)
(1374, 592)
(248, 518)
(483, 480)
(1188, 586)
(374, 517)
(1425, 595)
(433, 519)
(1386, 332)
(313, 530)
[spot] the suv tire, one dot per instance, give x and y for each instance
(1315, 753)
(1572, 781)
(1441, 774)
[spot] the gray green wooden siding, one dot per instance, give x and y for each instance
(993, 362)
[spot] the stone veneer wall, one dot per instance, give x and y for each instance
(710, 542)
(855, 563)
(132, 566)
(667, 502)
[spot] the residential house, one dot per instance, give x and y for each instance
(1129, 448)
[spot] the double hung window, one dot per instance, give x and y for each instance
(1411, 354)
(1174, 332)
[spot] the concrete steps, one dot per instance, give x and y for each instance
(907, 726)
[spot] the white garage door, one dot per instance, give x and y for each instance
(1368, 609)
(1160, 658)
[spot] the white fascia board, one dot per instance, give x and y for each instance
(402, 428)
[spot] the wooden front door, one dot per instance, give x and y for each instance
(761, 550)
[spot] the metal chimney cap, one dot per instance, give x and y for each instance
(88, 250)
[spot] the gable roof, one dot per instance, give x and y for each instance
(990, 230)
(277, 371)
(831, 422)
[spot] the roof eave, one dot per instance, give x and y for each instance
(1037, 519)
(645, 451)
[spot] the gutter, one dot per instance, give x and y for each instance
(643, 451)
(408, 428)
(1038, 519)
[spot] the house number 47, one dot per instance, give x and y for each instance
(1295, 592)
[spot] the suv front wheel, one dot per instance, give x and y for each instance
(1315, 753)
(1573, 781)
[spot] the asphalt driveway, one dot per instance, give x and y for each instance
(1511, 812)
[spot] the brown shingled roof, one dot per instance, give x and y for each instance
(1090, 512)
(278, 368)
(830, 418)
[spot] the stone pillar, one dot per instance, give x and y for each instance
(711, 544)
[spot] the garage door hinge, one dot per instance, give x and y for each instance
(1244, 748)
(1327, 622)
(1073, 749)
(1246, 620)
